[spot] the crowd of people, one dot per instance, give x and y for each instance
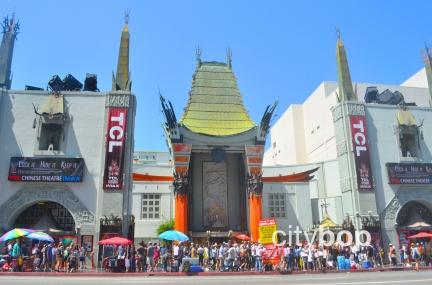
(42, 257)
(247, 256)
(225, 256)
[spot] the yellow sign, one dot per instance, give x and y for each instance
(266, 229)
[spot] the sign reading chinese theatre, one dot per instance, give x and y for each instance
(46, 169)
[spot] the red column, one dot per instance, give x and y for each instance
(181, 213)
(255, 212)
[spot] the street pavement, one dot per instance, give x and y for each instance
(364, 278)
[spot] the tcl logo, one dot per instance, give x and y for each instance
(116, 131)
(359, 135)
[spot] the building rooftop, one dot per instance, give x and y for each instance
(215, 106)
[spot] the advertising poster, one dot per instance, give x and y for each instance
(361, 152)
(266, 229)
(115, 149)
(87, 242)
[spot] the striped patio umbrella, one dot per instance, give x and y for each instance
(15, 233)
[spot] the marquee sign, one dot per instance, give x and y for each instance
(115, 148)
(409, 173)
(46, 169)
(361, 152)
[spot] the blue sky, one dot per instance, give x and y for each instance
(281, 49)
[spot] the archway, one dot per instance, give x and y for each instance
(413, 217)
(47, 216)
(32, 194)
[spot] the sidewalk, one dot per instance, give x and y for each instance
(212, 273)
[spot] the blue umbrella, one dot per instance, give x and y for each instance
(41, 236)
(173, 235)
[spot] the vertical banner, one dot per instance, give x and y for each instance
(115, 148)
(361, 152)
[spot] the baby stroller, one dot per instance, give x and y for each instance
(73, 263)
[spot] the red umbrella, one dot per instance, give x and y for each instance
(242, 237)
(115, 241)
(421, 235)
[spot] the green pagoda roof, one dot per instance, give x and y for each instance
(215, 106)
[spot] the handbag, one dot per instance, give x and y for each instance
(20, 261)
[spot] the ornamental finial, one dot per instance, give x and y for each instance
(126, 16)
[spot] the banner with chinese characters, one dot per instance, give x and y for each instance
(115, 149)
(361, 152)
(46, 169)
(409, 173)
(266, 229)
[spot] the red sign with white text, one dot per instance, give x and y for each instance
(272, 254)
(115, 148)
(361, 152)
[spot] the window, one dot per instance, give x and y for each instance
(409, 141)
(50, 136)
(277, 207)
(150, 206)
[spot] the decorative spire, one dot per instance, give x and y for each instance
(428, 67)
(198, 56)
(122, 80)
(346, 92)
(229, 57)
(10, 28)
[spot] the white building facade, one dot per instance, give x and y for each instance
(374, 158)
(152, 194)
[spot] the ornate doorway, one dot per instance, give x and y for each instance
(412, 218)
(414, 215)
(46, 216)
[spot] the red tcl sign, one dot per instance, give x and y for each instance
(361, 152)
(115, 148)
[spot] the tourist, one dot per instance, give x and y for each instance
(150, 260)
(415, 254)
(392, 255)
(142, 254)
(82, 257)
(258, 258)
(200, 253)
